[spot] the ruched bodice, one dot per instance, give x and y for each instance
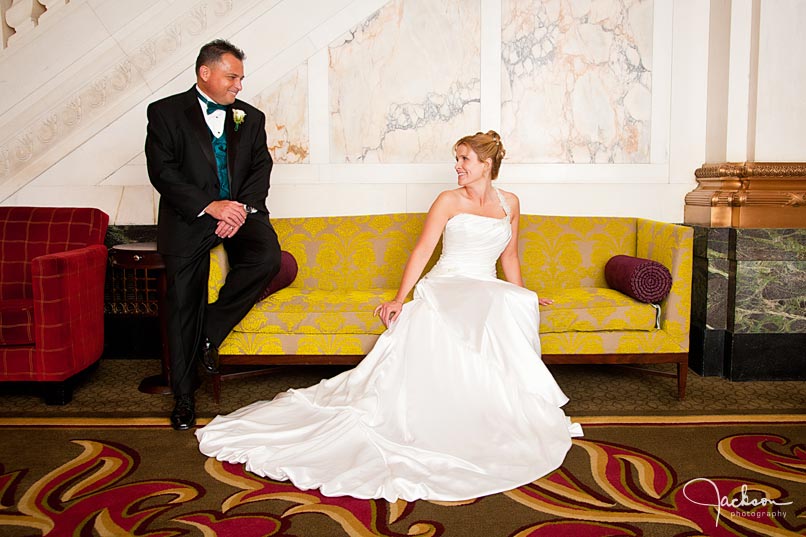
(471, 244)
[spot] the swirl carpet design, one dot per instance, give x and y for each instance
(659, 476)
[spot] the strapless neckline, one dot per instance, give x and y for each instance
(479, 216)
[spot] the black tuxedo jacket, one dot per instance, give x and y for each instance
(182, 167)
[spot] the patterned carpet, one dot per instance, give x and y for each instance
(111, 391)
(662, 476)
(729, 460)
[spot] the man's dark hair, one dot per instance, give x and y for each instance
(212, 52)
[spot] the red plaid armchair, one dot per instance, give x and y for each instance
(52, 270)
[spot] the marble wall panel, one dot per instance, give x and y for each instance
(710, 293)
(770, 281)
(770, 244)
(577, 80)
(405, 83)
(285, 104)
(719, 312)
(770, 297)
(699, 290)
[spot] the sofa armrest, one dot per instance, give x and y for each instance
(68, 293)
(672, 245)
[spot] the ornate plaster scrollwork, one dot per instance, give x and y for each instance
(97, 93)
(25, 147)
(122, 75)
(71, 114)
(146, 56)
(48, 129)
(222, 7)
(196, 21)
(171, 40)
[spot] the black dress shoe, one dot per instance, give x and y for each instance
(209, 357)
(184, 415)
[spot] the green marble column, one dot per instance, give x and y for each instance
(749, 303)
(709, 301)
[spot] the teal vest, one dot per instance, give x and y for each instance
(220, 150)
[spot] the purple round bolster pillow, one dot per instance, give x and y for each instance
(283, 278)
(642, 279)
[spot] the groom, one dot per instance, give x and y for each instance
(207, 157)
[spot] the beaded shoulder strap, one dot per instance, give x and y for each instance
(504, 204)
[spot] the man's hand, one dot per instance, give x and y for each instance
(230, 212)
(230, 215)
(226, 231)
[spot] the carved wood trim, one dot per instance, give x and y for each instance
(748, 195)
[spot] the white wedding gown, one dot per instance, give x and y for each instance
(452, 403)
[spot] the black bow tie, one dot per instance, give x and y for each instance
(211, 106)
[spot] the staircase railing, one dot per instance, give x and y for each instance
(21, 17)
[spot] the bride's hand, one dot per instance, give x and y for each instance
(545, 301)
(388, 311)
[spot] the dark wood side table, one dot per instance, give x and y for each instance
(144, 255)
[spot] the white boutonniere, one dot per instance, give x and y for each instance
(238, 116)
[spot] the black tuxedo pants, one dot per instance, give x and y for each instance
(254, 258)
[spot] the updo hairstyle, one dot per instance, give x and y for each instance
(486, 145)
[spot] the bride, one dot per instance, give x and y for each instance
(453, 402)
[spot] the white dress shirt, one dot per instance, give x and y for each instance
(215, 120)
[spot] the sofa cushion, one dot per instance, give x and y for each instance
(642, 279)
(592, 309)
(17, 322)
(316, 311)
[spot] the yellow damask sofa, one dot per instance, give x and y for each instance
(348, 265)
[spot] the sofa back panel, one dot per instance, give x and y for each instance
(571, 251)
(351, 252)
(30, 232)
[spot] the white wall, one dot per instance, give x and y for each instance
(586, 138)
(780, 134)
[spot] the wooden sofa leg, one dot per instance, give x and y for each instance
(217, 388)
(682, 375)
(57, 393)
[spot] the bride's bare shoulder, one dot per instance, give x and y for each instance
(450, 198)
(445, 205)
